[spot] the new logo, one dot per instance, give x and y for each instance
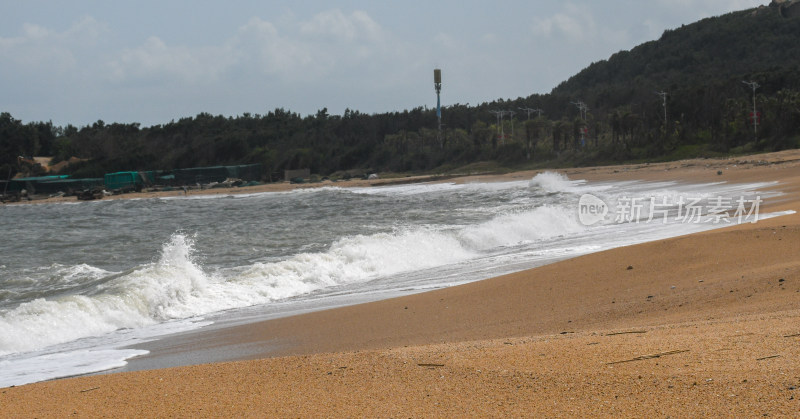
(591, 210)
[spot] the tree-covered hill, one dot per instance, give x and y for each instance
(734, 46)
(607, 113)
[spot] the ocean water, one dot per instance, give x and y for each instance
(82, 282)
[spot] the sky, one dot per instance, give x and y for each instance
(80, 61)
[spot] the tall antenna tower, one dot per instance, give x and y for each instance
(437, 84)
(754, 86)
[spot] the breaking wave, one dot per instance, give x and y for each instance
(176, 286)
(552, 182)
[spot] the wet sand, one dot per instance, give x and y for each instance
(706, 324)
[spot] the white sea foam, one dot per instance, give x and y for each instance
(145, 296)
(176, 286)
(525, 225)
(405, 190)
(62, 364)
(521, 228)
(87, 355)
(552, 182)
(80, 272)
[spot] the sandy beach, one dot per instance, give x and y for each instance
(700, 325)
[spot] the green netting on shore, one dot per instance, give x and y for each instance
(200, 175)
(246, 172)
(203, 175)
(68, 185)
(128, 180)
(134, 180)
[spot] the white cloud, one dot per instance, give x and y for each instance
(40, 49)
(328, 42)
(577, 25)
(338, 42)
(34, 32)
(341, 59)
(573, 23)
(259, 46)
(87, 31)
(156, 60)
(357, 26)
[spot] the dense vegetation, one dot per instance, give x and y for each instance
(700, 66)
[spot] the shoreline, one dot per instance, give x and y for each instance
(283, 186)
(734, 169)
(701, 324)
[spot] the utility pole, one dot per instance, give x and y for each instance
(582, 108)
(529, 111)
(500, 132)
(754, 86)
(664, 99)
(511, 117)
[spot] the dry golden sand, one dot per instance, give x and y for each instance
(702, 325)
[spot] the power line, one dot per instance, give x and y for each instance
(531, 110)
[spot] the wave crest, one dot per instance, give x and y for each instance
(553, 182)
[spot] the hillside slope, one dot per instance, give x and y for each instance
(733, 46)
